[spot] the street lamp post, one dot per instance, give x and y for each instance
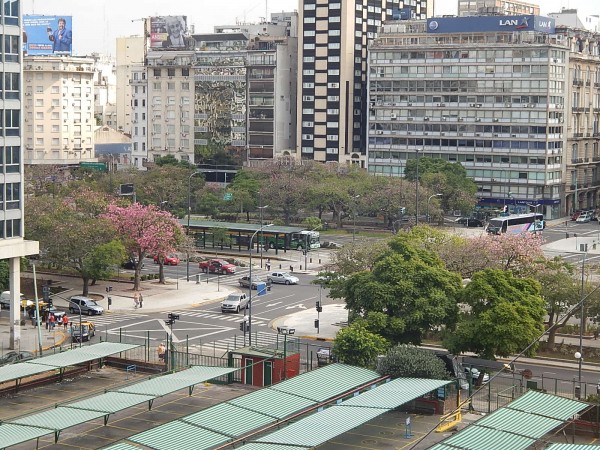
(189, 212)
(579, 354)
(285, 330)
(262, 237)
(430, 197)
(250, 296)
(535, 221)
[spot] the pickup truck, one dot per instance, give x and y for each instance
(217, 266)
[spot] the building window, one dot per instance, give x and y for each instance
(12, 195)
(185, 72)
(11, 48)
(11, 12)
(156, 72)
(12, 159)
(11, 122)
(171, 72)
(11, 85)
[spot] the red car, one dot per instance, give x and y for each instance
(171, 260)
(217, 266)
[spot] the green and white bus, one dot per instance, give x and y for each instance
(516, 224)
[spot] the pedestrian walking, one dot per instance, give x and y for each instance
(52, 320)
(268, 264)
(161, 351)
(136, 299)
(65, 321)
(45, 319)
(596, 334)
(141, 300)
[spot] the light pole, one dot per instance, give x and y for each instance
(579, 354)
(417, 191)
(250, 296)
(430, 197)
(535, 221)
(187, 231)
(262, 237)
(285, 330)
(355, 197)
(306, 246)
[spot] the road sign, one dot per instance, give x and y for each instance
(228, 196)
(93, 165)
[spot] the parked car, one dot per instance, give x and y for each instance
(13, 357)
(87, 305)
(234, 302)
(5, 301)
(245, 282)
(170, 260)
(470, 221)
(475, 373)
(217, 266)
(130, 264)
(282, 278)
(83, 333)
(584, 217)
(576, 214)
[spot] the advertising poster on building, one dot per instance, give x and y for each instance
(168, 31)
(47, 35)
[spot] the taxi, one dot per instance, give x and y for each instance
(83, 333)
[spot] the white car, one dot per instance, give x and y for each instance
(475, 375)
(282, 278)
(234, 302)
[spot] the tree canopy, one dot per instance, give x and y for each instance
(504, 315)
(411, 361)
(357, 346)
(407, 293)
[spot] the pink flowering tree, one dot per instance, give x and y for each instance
(145, 230)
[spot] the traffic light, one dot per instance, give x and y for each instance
(317, 323)
(170, 322)
(173, 316)
(402, 211)
(46, 293)
(319, 307)
(242, 326)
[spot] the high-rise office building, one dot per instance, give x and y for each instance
(506, 7)
(13, 246)
(332, 73)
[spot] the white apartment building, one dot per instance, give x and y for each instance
(130, 55)
(58, 110)
(13, 246)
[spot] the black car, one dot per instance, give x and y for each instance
(130, 264)
(470, 221)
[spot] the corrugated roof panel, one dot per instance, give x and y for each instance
(166, 384)
(479, 438)
(109, 348)
(327, 382)
(513, 421)
(547, 405)
(272, 402)
(110, 402)
(572, 447)
(395, 393)
(122, 446)
(322, 426)
(21, 370)
(66, 359)
(15, 434)
(203, 373)
(265, 446)
(179, 435)
(59, 418)
(229, 419)
(442, 447)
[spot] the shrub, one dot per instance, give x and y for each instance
(411, 361)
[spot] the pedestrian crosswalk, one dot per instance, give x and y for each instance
(109, 319)
(259, 339)
(220, 316)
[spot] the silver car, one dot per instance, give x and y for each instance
(234, 302)
(282, 278)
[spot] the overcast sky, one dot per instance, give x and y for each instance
(96, 24)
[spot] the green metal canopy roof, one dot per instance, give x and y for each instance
(322, 384)
(16, 371)
(517, 425)
(276, 404)
(166, 384)
(395, 393)
(12, 434)
(322, 426)
(180, 435)
(234, 226)
(123, 446)
(58, 418)
(229, 420)
(110, 402)
(572, 447)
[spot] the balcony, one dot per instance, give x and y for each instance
(577, 82)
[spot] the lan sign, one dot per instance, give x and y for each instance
(228, 196)
(93, 165)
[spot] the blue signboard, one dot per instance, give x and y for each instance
(47, 35)
(490, 23)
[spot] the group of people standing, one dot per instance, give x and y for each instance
(50, 319)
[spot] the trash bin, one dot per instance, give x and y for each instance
(197, 278)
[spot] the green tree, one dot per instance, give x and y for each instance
(170, 160)
(357, 346)
(505, 315)
(99, 264)
(410, 361)
(407, 293)
(70, 232)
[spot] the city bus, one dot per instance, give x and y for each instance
(292, 241)
(516, 224)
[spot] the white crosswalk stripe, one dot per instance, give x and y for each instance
(260, 339)
(108, 319)
(217, 316)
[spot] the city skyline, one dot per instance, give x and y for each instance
(96, 25)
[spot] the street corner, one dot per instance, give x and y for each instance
(59, 339)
